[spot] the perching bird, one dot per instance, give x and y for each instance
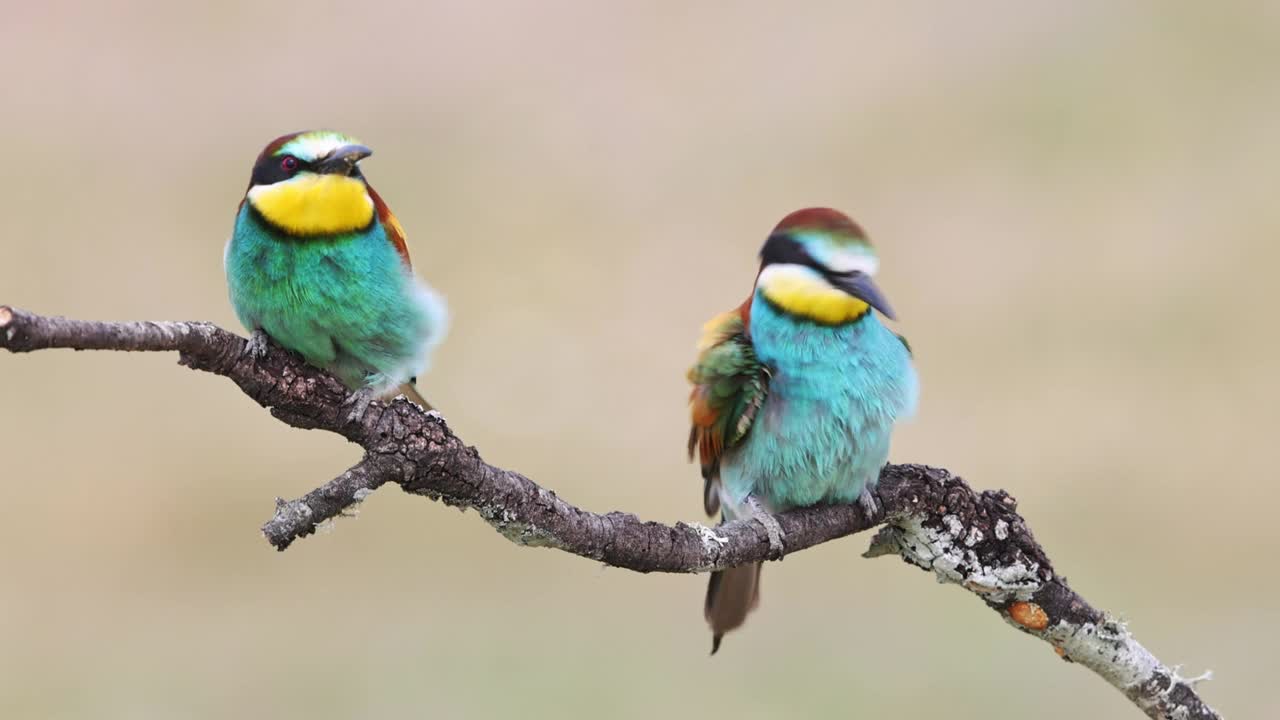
(318, 263)
(796, 392)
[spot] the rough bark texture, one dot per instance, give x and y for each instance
(931, 518)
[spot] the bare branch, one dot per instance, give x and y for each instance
(299, 518)
(932, 519)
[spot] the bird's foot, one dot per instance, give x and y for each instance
(771, 526)
(867, 500)
(258, 345)
(359, 401)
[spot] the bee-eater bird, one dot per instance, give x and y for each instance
(796, 392)
(318, 263)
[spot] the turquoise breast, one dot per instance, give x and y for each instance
(835, 393)
(348, 304)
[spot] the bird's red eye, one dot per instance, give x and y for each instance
(289, 163)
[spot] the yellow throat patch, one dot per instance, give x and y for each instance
(807, 296)
(311, 204)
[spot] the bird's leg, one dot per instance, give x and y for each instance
(867, 500)
(771, 526)
(360, 400)
(259, 343)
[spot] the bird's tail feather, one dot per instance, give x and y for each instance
(410, 391)
(731, 595)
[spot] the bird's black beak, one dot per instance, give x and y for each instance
(342, 160)
(860, 285)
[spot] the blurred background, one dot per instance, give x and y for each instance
(1075, 210)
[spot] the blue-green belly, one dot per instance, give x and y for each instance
(823, 432)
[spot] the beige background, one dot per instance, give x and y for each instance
(1075, 207)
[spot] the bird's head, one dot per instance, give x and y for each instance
(309, 183)
(818, 264)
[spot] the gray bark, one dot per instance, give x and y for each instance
(931, 518)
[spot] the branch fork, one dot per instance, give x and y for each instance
(930, 518)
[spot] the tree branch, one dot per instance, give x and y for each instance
(932, 519)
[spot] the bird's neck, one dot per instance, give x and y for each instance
(799, 292)
(783, 337)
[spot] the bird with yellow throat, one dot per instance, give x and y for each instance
(797, 391)
(318, 263)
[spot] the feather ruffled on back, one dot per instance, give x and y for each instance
(729, 386)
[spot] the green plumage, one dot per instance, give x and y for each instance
(735, 381)
(731, 385)
(348, 304)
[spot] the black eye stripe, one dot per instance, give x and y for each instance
(271, 169)
(782, 249)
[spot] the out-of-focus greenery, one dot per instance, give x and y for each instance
(1075, 209)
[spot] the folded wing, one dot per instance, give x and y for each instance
(729, 387)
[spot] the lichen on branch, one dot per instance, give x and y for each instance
(931, 518)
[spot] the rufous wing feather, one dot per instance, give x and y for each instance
(390, 225)
(729, 387)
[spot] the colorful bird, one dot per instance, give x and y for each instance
(796, 392)
(318, 263)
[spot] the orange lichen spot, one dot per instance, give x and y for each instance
(1061, 652)
(1029, 615)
